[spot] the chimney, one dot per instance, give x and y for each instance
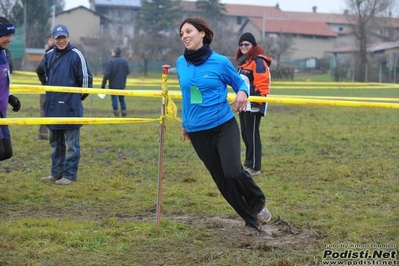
(314, 9)
(346, 12)
(277, 6)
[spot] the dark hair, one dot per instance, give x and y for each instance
(117, 50)
(254, 52)
(3, 20)
(200, 25)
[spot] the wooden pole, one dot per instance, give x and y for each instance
(161, 141)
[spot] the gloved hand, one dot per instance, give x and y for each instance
(14, 102)
(84, 96)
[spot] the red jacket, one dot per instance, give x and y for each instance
(256, 74)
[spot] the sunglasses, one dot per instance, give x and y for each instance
(244, 44)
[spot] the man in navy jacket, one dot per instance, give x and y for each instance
(66, 66)
(116, 71)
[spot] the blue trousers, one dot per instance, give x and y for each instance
(5, 143)
(115, 104)
(64, 162)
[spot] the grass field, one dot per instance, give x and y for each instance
(330, 175)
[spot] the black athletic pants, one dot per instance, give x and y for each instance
(250, 134)
(220, 151)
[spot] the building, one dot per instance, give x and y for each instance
(82, 23)
(123, 14)
(114, 22)
(384, 57)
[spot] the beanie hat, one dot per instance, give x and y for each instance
(247, 36)
(6, 27)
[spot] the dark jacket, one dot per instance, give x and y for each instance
(40, 71)
(10, 60)
(70, 70)
(116, 71)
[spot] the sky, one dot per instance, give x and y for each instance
(323, 6)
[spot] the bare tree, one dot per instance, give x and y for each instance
(6, 7)
(364, 21)
(98, 51)
(157, 36)
(214, 13)
(278, 47)
(157, 47)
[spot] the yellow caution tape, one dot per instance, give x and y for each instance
(338, 98)
(72, 120)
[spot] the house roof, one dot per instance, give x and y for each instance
(188, 6)
(331, 18)
(295, 27)
(277, 21)
(127, 3)
(305, 23)
(318, 17)
(383, 46)
(241, 10)
(254, 11)
(82, 7)
(372, 48)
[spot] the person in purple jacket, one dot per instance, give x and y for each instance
(65, 66)
(210, 125)
(7, 30)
